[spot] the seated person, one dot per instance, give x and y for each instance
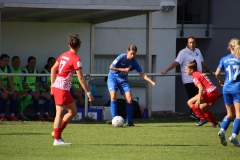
(45, 85)
(46, 81)
(7, 93)
(77, 92)
(30, 84)
(23, 97)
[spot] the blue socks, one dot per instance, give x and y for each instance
(236, 126)
(3, 105)
(13, 106)
(225, 123)
(37, 106)
(129, 111)
(113, 108)
(47, 105)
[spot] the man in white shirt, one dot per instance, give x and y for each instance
(186, 55)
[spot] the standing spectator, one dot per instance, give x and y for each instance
(230, 64)
(23, 96)
(207, 95)
(118, 78)
(30, 84)
(5, 92)
(66, 64)
(186, 55)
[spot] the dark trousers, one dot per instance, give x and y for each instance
(191, 90)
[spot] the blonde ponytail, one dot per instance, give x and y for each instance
(237, 50)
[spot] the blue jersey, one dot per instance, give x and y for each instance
(122, 62)
(231, 66)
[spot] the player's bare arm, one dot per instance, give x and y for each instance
(11, 83)
(26, 87)
(145, 77)
(220, 79)
(200, 91)
(170, 67)
(206, 68)
(3, 87)
(53, 72)
(127, 70)
(84, 84)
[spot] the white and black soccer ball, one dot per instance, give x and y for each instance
(117, 121)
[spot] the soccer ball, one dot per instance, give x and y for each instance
(117, 121)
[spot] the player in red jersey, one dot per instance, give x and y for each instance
(61, 79)
(207, 95)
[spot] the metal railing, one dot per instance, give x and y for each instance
(88, 79)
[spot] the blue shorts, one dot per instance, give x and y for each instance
(113, 84)
(72, 91)
(231, 98)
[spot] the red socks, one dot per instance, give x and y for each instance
(210, 117)
(58, 131)
(198, 112)
(64, 124)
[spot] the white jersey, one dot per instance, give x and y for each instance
(187, 55)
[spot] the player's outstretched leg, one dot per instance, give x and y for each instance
(113, 108)
(221, 135)
(235, 132)
(129, 111)
(234, 141)
(211, 119)
(200, 114)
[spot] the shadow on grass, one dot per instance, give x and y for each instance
(23, 134)
(153, 145)
(183, 118)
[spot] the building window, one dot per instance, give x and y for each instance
(192, 11)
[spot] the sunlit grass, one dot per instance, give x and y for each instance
(164, 137)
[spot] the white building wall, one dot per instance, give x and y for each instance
(43, 40)
(114, 37)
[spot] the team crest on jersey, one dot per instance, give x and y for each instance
(129, 66)
(79, 64)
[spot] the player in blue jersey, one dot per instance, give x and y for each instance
(118, 79)
(231, 91)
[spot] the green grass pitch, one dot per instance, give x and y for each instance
(164, 137)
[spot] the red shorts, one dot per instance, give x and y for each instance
(62, 97)
(210, 97)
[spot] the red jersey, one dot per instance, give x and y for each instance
(200, 77)
(68, 63)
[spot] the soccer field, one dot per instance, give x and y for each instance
(164, 137)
